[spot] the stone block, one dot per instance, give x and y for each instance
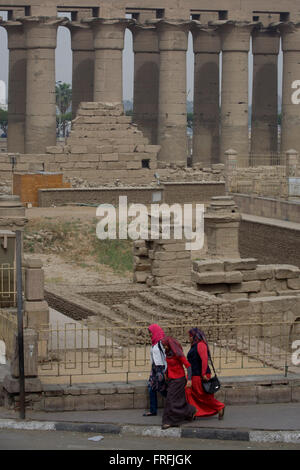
(248, 286)
(274, 394)
(107, 389)
(78, 149)
(152, 148)
(53, 390)
(208, 266)
(240, 264)
(140, 276)
(109, 157)
(88, 403)
(275, 284)
(233, 296)
(241, 395)
(163, 271)
(261, 273)
(54, 403)
(36, 313)
(54, 149)
(88, 105)
(213, 288)
(124, 402)
(286, 271)
(34, 284)
(217, 277)
(262, 294)
(174, 247)
(293, 283)
(164, 255)
(12, 385)
(124, 388)
(140, 400)
(133, 165)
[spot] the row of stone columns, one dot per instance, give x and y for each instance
(160, 48)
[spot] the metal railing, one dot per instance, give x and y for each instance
(8, 330)
(8, 285)
(8, 288)
(122, 352)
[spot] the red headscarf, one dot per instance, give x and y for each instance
(157, 333)
(174, 346)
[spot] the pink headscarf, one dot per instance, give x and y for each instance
(157, 333)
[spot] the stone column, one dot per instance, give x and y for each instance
(40, 128)
(16, 87)
(108, 45)
(172, 117)
(230, 168)
(222, 220)
(82, 45)
(290, 126)
(206, 96)
(264, 134)
(235, 38)
(146, 80)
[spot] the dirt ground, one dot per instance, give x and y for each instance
(57, 269)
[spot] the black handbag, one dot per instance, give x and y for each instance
(212, 385)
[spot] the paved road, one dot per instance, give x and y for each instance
(58, 440)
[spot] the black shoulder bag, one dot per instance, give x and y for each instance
(212, 385)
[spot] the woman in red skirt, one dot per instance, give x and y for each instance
(176, 408)
(205, 403)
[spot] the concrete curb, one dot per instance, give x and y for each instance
(156, 431)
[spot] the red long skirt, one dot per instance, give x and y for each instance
(206, 404)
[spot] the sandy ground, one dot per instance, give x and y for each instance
(56, 269)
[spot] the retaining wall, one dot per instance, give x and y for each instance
(134, 395)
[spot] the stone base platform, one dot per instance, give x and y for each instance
(134, 395)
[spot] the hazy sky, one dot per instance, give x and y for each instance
(64, 62)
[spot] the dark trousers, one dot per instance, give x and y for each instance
(153, 399)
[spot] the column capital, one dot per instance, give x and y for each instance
(35, 28)
(265, 41)
(205, 39)
(235, 35)
(108, 33)
(15, 34)
(290, 36)
(81, 36)
(172, 34)
(145, 37)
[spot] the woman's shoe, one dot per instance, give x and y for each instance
(165, 426)
(150, 414)
(221, 413)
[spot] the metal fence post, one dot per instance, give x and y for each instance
(20, 322)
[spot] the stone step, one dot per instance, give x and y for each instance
(156, 312)
(177, 297)
(130, 316)
(165, 305)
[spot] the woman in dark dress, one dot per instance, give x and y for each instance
(156, 382)
(176, 408)
(206, 404)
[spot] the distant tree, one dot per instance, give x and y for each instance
(63, 92)
(190, 119)
(279, 121)
(3, 121)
